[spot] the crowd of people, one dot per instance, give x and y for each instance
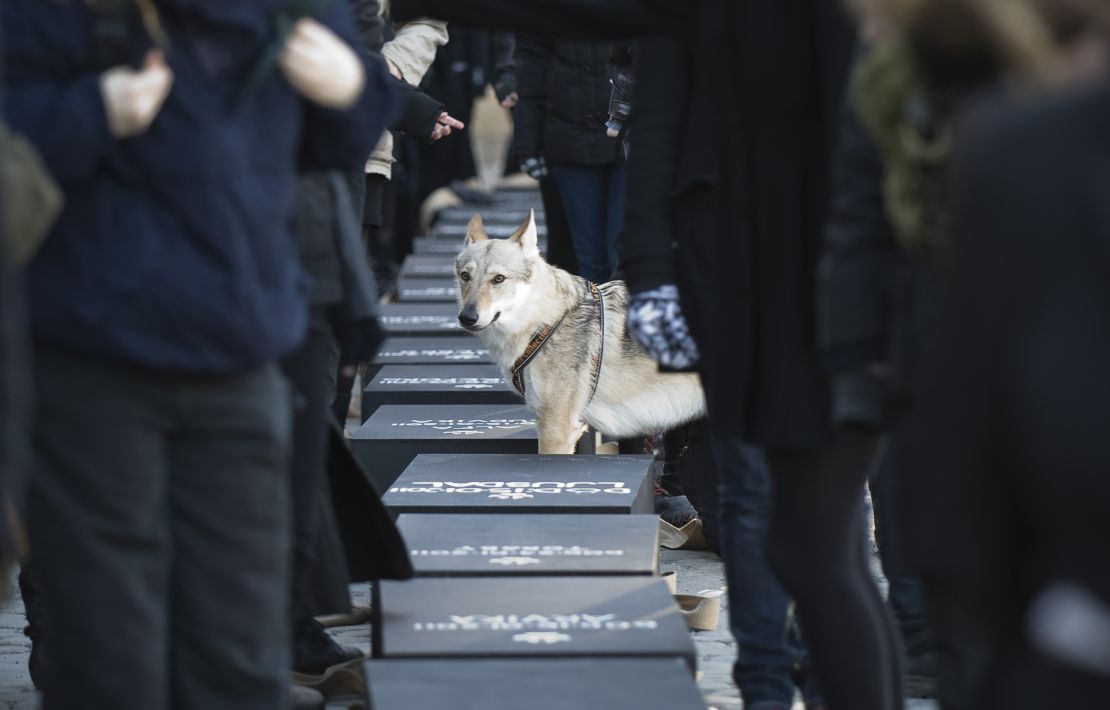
(877, 230)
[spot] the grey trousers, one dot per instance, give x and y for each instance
(159, 521)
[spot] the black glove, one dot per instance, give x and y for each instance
(359, 341)
(859, 398)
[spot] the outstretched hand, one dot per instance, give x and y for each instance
(444, 125)
(656, 321)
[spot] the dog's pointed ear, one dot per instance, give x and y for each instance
(475, 230)
(527, 236)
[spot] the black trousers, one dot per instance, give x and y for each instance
(817, 545)
(159, 522)
(317, 588)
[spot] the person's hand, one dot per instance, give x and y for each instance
(859, 398)
(444, 125)
(534, 167)
(510, 100)
(320, 66)
(656, 321)
(394, 70)
(133, 98)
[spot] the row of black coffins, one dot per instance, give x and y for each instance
(536, 576)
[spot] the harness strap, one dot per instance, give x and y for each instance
(540, 338)
(596, 374)
(534, 345)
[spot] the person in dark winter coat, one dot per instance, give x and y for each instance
(559, 124)
(735, 117)
(160, 305)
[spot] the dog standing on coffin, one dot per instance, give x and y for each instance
(564, 344)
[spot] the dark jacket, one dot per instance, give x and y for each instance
(564, 101)
(174, 250)
(736, 110)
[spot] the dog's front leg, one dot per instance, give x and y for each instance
(558, 434)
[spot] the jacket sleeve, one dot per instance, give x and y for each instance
(655, 130)
(63, 118)
(419, 112)
(580, 19)
(504, 65)
(854, 271)
(413, 47)
(533, 56)
(341, 139)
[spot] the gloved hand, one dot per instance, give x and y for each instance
(359, 342)
(860, 398)
(320, 66)
(132, 98)
(656, 322)
(535, 167)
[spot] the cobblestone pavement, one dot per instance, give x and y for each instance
(695, 571)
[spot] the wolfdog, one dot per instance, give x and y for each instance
(564, 343)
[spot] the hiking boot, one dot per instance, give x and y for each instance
(314, 650)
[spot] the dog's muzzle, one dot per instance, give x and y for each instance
(468, 316)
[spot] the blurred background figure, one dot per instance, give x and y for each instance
(953, 93)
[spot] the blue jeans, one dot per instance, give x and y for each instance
(593, 200)
(767, 649)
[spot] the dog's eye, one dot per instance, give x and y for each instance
(499, 279)
(464, 276)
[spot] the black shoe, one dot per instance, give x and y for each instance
(314, 651)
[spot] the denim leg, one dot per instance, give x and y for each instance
(584, 201)
(614, 217)
(758, 605)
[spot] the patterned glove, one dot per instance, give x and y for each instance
(656, 322)
(536, 167)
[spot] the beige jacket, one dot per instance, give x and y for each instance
(412, 50)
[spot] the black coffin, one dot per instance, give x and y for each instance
(519, 617)
(531, 544)
(490, 215)
(440, 350)
(508, 483)
(456, 232)
(430, 245)
(428, 266)
(442, 384)
(532, 683)
(394, 435)
(421, 319)
(427, 290)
